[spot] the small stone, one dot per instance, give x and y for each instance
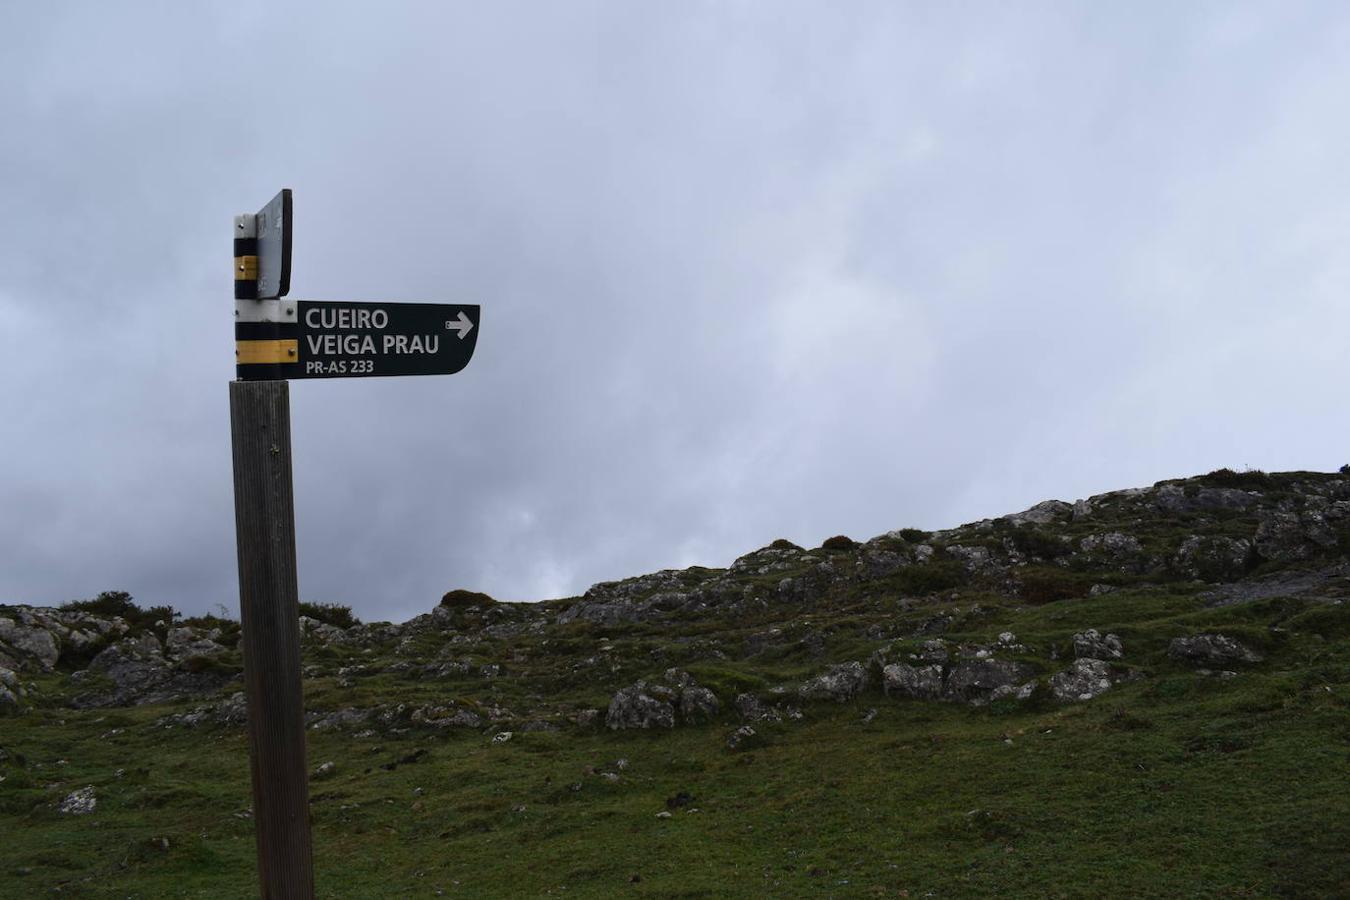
(80, 802)
(663, 814)
(327, 770)
(742, 738)
(501, 737)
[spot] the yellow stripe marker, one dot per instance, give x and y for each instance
(246, 268)
(248, 353)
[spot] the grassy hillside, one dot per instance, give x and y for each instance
(1179, 776)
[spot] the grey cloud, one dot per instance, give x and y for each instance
(771, 270)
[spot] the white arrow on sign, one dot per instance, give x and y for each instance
(462, 325)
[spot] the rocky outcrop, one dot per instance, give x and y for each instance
(976, 680)
(653, 704)
(1213, 558)
(915, 682)
(635, 707)
(1046, 512)
(1091, 644)
(1083, 680)
(698, 704)
(79, 802)
(1211, 650)
(141, 670)
(1115, 550)
(26, 643)
(11, 692)
(1288, 536)
(839, 683)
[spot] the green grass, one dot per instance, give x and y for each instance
(1174, 785)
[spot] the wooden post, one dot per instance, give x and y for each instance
(264, 514)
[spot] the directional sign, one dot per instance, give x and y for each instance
(274, 247)
(339, 339)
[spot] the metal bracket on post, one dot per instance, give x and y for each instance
(266, 333)
(245, 257)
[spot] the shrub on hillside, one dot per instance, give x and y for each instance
(839, 542)
(1032, 541)
(914, 535)
(783, 544)
(334, 614)
(120, 603)
(108, 603)
(1248, 480)
(462, 599)
(929, 577)
(1048, 585)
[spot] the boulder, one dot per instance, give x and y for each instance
(1091, 644)
(839, 683)
(1173, 498)
(135, 666)
(9, 700)
(698, 704)
(975, 559)
(1210, 650)
(920, 683)
(635, 707)
(187, 645)
(1286, 536)
(933, 651)
(79, 803)
(1116, 549)
(33, 643)
(751, 709)
(323, 633)
(973, 680)
(1046, 512)
(1214, 558)
(1083, 680)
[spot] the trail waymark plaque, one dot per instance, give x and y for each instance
(342, 339)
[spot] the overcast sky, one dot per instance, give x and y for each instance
(747, 271)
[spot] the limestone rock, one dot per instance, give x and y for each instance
(1216, 558)
(1083, 680)
(1116, 549)
(635, 707)
(1091, 644)
(1210, 650)
(698, 704)
(839, 683)
(79, 803)
(1044, 513)
(920, 683)
(33, 643)
(973, 680)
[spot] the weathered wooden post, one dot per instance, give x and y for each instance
(264, 515)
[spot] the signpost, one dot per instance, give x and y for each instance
(336, 339)
(276, 340)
